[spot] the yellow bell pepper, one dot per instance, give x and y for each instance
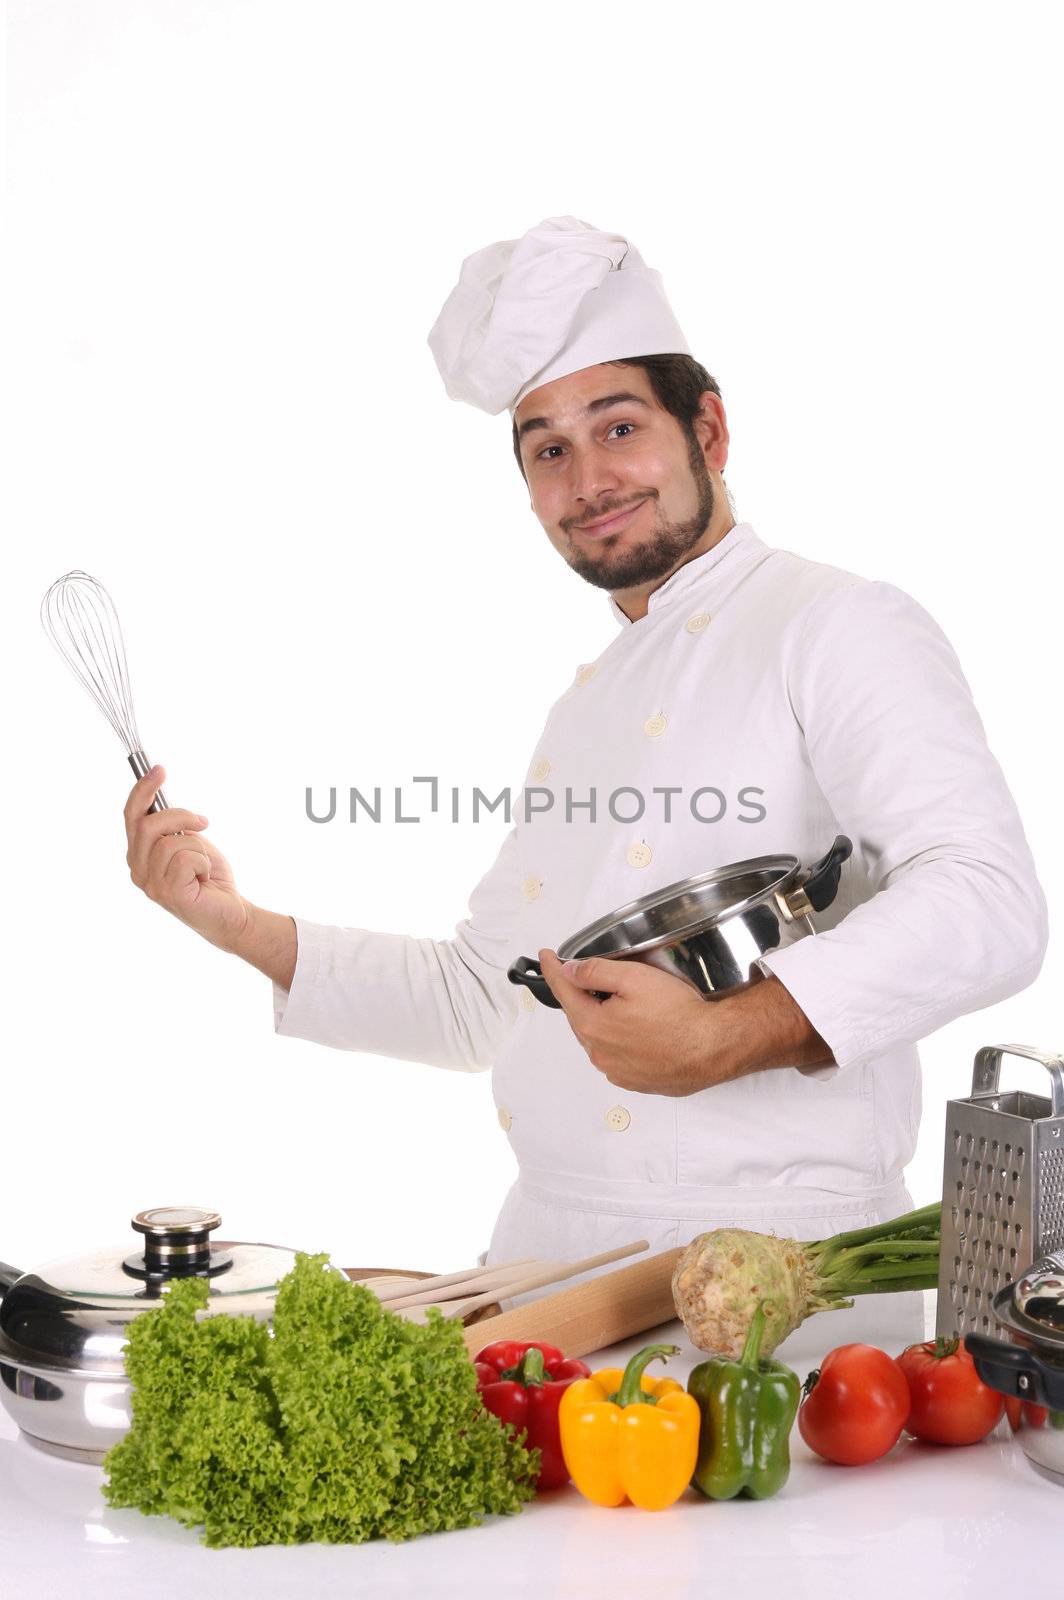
(627, 1436)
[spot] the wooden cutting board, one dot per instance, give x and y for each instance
(592, 1315)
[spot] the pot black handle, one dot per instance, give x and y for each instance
(1014, 1370)
(528, 972)
(822, 884)
(9, 1276)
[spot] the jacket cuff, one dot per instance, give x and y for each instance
(799, 992)
(295, 1010)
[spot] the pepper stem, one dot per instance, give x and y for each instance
(631, 1389)
(532, 1369)
(752, 1348)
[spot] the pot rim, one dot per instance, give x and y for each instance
(41, 1369)
(785, 867)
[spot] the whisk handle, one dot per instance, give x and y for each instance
(142, 766)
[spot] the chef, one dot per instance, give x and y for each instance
(752, 702)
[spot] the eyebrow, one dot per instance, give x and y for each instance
(622, 397)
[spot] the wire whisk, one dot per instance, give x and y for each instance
(79, 617)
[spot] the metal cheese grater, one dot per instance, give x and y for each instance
(1002, 1188)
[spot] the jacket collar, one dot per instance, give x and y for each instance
(738, 541)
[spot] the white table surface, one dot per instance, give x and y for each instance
(921, 1522)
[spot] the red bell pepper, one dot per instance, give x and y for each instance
(1033, 1415)
(522, 1385)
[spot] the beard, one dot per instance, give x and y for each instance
(659, 554)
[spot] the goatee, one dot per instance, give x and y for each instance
(661, 553)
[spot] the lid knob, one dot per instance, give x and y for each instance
(184, 1220)
(176, 1243)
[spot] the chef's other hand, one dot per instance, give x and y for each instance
(657, 1035)
(179, 868)
(652, 1035)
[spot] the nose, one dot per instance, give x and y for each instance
(595, 474)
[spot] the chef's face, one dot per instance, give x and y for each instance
(598, 448)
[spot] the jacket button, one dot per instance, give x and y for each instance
(531, 887)
(527, 1000)
(505, 1119)
(586, 674)
(617, 1118)
(541, 770)
(639, 855)
(653, 726)
(699, 621)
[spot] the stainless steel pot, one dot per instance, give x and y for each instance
(1028, 1366)
(709, 929)
(63, 1327)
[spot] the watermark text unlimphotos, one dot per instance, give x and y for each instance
(392, 803)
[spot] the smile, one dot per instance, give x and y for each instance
(600, 530)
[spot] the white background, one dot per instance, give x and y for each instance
(231, 226)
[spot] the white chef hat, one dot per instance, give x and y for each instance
(563, 297)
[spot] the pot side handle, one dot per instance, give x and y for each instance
(1014, 1370)
(822, 884)
(527, 972)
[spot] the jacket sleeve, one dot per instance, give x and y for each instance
(958, 920)
(446, 1002)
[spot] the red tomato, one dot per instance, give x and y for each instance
(950, 1402)
(856, 1405)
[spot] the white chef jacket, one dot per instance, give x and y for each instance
(838, 699)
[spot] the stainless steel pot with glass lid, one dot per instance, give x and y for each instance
(63, 1327)
(709, 929)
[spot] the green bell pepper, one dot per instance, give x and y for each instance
(748, 1408)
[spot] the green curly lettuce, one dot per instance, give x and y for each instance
(349, 1423)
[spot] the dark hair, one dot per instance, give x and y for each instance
(677, 382)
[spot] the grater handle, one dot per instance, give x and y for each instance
(986, 1074)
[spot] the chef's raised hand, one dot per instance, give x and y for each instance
(179, 868)
(657, 1035)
